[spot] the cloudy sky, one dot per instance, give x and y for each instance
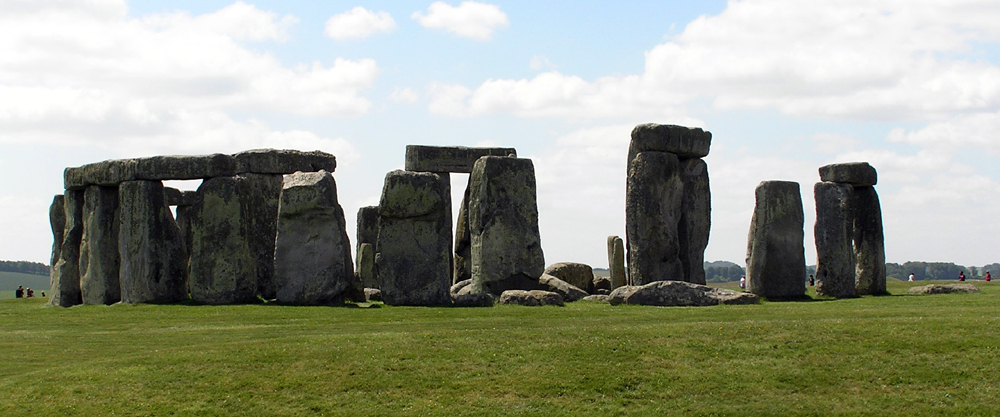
(785, 86)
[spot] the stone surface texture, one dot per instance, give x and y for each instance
(653, 201)
(695, 219)
(365, 267)
(413, 259)
(682, 141)
(503, 221)
(57, 221)
(616, 261)
(858, 174)
(943, 289)
(569, 292)
(463, 240)
(776, 266)
(259, 196)
(283, 161)
(598, 298)
(64, 290)
(153, 258)
(834, 233)
(532, 298)
(312, 254)
(576, 274)
(678, 293)
(99, 261)
(449, 158)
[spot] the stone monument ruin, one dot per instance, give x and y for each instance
(776, 262)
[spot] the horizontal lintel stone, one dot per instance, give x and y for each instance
(685, 142)
(858, 174)
(449, 158)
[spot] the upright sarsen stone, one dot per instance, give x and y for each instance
(413, 258)
(503, 222)
(150, 246)
(463, 241)
(834, 232)
(57, 221)
(653, 201)
(776, 264)
(222, 266)
(65, 280)
(312, 254)
(367, 234)
(99, 246)
(258, 197)
(869, 242)
(616, 261)
(695, 219)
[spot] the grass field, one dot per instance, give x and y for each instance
(10, 280)
(893, 355)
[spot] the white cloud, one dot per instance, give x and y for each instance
(540, 62)
(979, 130)
(404, 95)
(470, 19)
(358, 23)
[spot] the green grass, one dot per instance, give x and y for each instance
(893, 355)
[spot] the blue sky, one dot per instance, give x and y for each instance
(785, 86)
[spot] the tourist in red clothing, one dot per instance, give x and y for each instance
(988, 278)
(961, 276)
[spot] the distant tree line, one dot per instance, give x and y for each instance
(937, 270)
(24, 267)
(723, 271)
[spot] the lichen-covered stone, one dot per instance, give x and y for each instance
(834, 233)
(258, 197)
(414, 250)
(944, 289)
(175, 197)
(449, 158)
(153, 257)
(367, 231)
(653, 201)
(576, 274)
(366, 266)
(869, 242)
(685, 142)
(678, 293)
(569, 292)
(57, 221)
(532, 298)
(616, 261)
(463, 240)
(65, 279)
(99, 262)
(283, 161)
(184, 167)
(695, 219)
(776, 263)
(858, 174)
(312, 255)
(503, 221)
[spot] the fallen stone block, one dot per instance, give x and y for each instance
(532, 298)
(678, 293)
(943, 289)
(576, 274)
(569, 292)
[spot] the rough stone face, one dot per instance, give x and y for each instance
(312, 255)
(449, 158)
(175, 197)
(616, 261)
(678, 293)
(99, 260)
(503, 221)
(943, 289)
(153, 258)
(65, 279)
(776, 265)
(576, 274)
(366, 266)
(696, 219)
(373, 294)
(858, 174)
(598, 298)
(413, 253)
(653, 201)
(283, 161)
(682, 141)
(463, 240)
(57, 221)
(869, 242)
(367, 231)
(569, 292)
(259, 195)
(468, 299)
(222, 266)
(106, 173)
(532, 298)
(602, 283)
(185, 167)
(834, 232)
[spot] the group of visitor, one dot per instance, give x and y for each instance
(21, 292)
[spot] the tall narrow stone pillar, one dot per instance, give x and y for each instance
(99, 261)
(57, 221)
(653, 201)
(65, 281)
(616, 261)
(222, 268)
(696, 219)
(869, 242)
(776, 263)
(834, 232)
(150, 246)
(367, 234)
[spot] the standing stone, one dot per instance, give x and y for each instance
(696, 219)
(99, 246)
(367, 233)
(57, 221)
(653, 202)
(869, 242)
(834, 232)
(413, 259)
(503, 221)
(222, 268)
(258, 196)
(366, 266)
(776, 264)
(65, 281)
(153, 257)
(463, 240)
(312, 254)
(616, 261)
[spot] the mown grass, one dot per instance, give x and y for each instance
(893, 355)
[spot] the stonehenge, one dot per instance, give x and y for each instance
(776, 263)
(667, 204)
(850, 244)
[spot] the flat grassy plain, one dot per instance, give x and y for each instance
(891, 355)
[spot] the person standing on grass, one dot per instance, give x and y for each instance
(30, 292)
(988, 278)
(812, 280)
(911, 277)
(961, 276)
(743, 282)
(19, 293)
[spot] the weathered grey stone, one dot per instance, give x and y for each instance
(57, 221)
(106, 173)
(463, 240)
(602, 283)
(283, 161)
(653, 201)
(458, 286)
(943, 289)
(678, 293)
(531, 298)
(776, 265)
(469, 299)
(184, 167)
(869, 242)
(259, 196)
(576, 274)
(413, 253)
(602, 291)
(222, 266)
(616, 261)
(65, 280)
(834, 233)
(569, 292)
(99, 260)
(597, 298)
(312, 255)
(503, 221)
(696, 219)
(858, 174)
(373, 295)
(153, 258)
(449, 158)
(175, 197)
(366, 266)
(685, 142)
